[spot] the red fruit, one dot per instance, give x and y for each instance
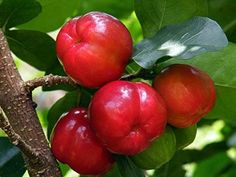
(74, 143)
(94, 49)
(127, 116)
(188, 92)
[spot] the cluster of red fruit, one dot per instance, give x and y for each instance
(123, 117)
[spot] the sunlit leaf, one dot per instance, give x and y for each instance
(185, 40)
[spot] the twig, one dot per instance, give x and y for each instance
(49, 81)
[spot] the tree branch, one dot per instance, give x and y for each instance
(49, 80)
(14, 137)
(19, 118)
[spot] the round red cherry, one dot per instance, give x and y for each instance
(74, 143)
(189, 94)
(94, 49)
(127, 116)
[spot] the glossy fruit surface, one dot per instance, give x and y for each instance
(94, 49)
(185, 136)
(127, 116)
(189, 94)
(158, 153)
(74, 143)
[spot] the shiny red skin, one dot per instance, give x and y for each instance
(74, 143)
(189, 94)
(127, 116)
(94, 49)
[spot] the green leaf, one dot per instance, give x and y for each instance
(114, 172)
(35, 48)
(231, 36)
(127, 167)
(16, 12)
(86, 96)
(224, 107)
(161, 150)
(63, 105)
(113, 7)
(195, 155)
(11, 160)
(165, 171)
(223, 12)
(220, 66)
(54, 14)
(216, 164)
(64, 168)
(134, 27)
(132, 69)
(231, 172)
(184, 136)
(173, 168)
(184, 40)
(155, 14)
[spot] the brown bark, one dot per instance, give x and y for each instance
(48, 81)
(21, 116)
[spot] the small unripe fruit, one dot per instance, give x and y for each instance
(189, 94)
(127, 116)
(94, 49)
(73, 142)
